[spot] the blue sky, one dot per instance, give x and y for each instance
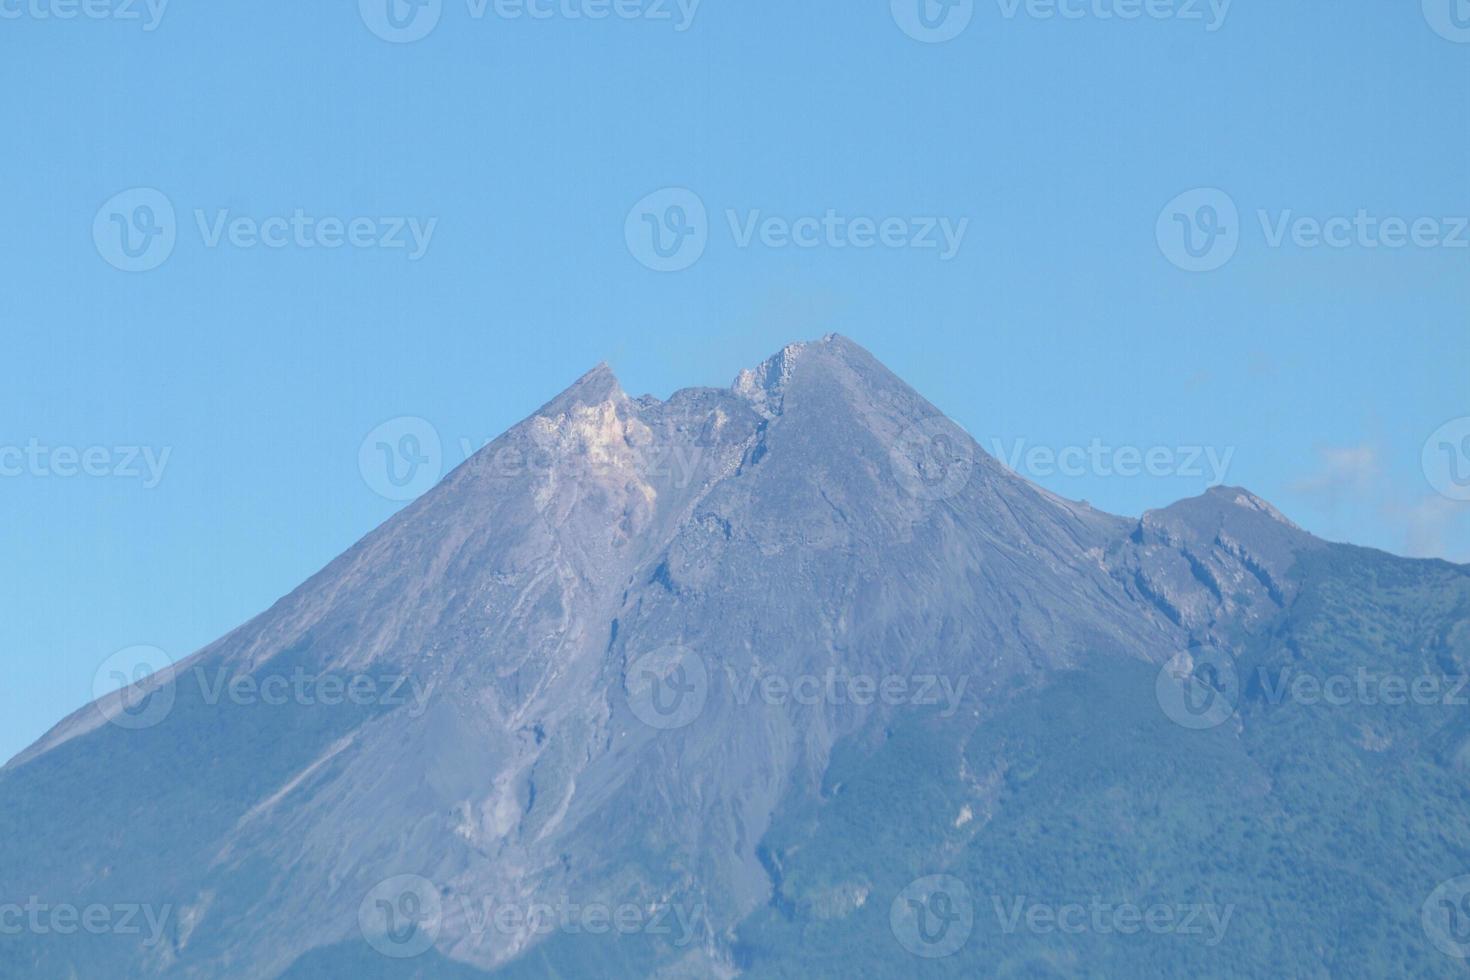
(448, 228)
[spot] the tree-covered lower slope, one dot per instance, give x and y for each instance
(1320, 824)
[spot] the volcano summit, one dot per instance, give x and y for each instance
(789, 679)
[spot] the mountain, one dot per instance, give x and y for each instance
(788, 679)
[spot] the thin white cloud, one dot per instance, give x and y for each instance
(1348, 471)
(1426, 524)
(1352, 478)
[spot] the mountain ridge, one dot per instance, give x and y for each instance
(817, 519)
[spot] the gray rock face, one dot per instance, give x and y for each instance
(1213, 562)
(539, 611)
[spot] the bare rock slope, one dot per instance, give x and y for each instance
(816, 520)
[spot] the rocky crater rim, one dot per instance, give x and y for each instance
(763, 386)
(601, 384)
